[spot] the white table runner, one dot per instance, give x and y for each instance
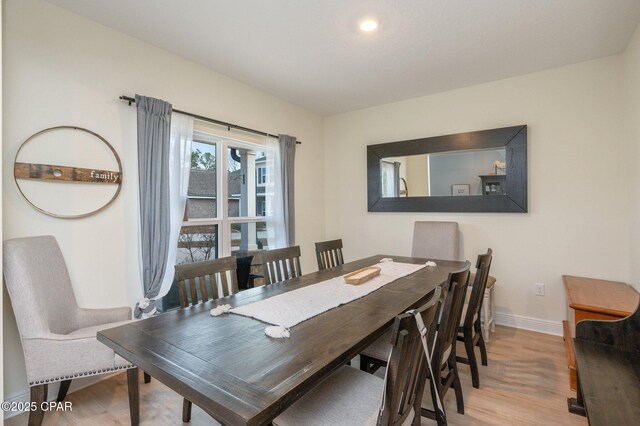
(292, 308)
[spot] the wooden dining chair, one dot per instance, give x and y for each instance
(443, 361)
(470, 329)
(444, 365)
(281, 264)
(199, 282)
(352, 397)
(329, 254)
(208, 280)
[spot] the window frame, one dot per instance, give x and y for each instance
(260, 175)
(222, 218)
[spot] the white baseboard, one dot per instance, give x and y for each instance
(25, 396)
(528, 323)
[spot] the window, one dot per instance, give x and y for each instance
(262, 175)
(219, 226)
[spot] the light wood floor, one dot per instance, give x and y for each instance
(525, 383)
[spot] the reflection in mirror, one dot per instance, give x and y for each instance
(485, 170)
(405, 176)
(465, 172)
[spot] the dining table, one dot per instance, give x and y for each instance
(229, 368)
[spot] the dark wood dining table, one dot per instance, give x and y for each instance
(227, 365)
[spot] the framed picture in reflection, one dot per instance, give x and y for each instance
(460, 189)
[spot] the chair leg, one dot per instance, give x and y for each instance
(38, 396)
(437, 414)
(481, 345)
(134, 396)
(457, 387)
(369, 365)
(492, 312)
(186, 411)
(486, 307)
(471, 357)
(364, 365)
(64, 388)
(147, 378)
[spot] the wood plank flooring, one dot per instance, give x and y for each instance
(525, 383)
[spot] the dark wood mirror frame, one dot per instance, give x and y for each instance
(513, 139)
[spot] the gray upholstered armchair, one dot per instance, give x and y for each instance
(58, 337)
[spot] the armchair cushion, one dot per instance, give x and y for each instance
(58, 357)
(91, 317)
(92, 331)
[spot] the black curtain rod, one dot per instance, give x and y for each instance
(229, 126)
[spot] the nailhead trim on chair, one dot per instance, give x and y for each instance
(83, 374)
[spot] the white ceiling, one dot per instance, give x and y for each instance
(313, 54)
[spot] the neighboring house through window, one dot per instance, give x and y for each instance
(217, 226)
(261, 172)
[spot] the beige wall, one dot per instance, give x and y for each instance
(64, 69)
(578, 220)
(632, 90)
(417, 175)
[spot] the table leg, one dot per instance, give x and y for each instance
(134, 395)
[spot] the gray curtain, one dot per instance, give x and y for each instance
(288, 154)
(154, 128)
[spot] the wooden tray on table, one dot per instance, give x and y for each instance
(362, 275)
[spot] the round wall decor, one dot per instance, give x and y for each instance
(38, 175)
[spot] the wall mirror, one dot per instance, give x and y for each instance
(483, 171)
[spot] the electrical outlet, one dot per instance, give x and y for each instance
(539, 289)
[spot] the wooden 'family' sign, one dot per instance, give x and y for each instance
(66, 174)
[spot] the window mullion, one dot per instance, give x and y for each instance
(223, 190)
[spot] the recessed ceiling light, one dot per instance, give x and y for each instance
(368, 25)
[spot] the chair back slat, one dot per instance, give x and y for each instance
(203, 288)
(271, 273)
(281, 264)
(194, 291)
(214, 287)
(182, 294)
(296, 262)
(483, 264)
(407, 368)
(286, 265)
(329, 254)
(224, 283)
(195, 276)
(234, 284)
(452, 306)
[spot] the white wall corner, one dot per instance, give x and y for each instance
(528, 323)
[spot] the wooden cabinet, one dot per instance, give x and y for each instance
(589, 298)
